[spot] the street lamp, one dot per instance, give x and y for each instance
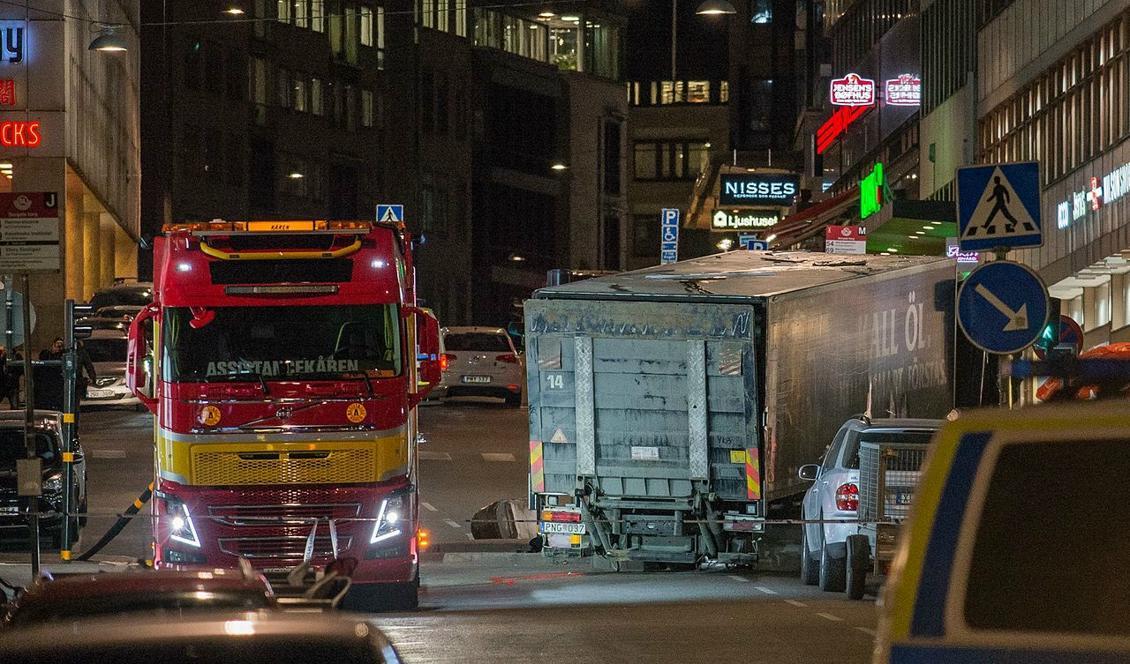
(108, 40)
(716, 8)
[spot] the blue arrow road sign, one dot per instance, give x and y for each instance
(1002, 307)
(668, 235)
(390, 213)
(998, 206)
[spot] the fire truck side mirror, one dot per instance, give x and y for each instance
(429, 372)
(138, 362)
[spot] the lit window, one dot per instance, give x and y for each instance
(317, 107)
(762, 11)
(441, 15)
(284, 11)
(429, 13)
(461, 17)
(698, 92)
(282, 87)
(318, 15)
(366, 26)
(301, 16)
(300, 93)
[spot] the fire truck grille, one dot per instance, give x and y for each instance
(212, 468)
(280, 549)
(291, 514)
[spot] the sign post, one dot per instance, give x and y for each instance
(29, 242)
(668, 236)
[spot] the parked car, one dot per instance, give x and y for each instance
(834, 494)
(1017, 545)
(48, 437)
(107, 350)
(267, 637)
(481, 362)
(136, 294)
(124, 312)
(82, 596)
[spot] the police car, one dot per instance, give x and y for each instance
(1018, 546)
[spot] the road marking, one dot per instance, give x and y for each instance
(434, 456)
(765, 590)
(497, 456)
(452, 523)
(828, 616)
(795, 603)
(866, 630)
(108, 454)
(428, 506)
(735, 577)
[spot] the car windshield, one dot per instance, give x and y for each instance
(148, 602)
(914, 437)
(483, 341)
(106, 350)
(12, 447)
(128, 296)
(281, 342)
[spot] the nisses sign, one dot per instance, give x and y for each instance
(759, 189)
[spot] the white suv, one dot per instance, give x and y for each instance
(834, 494)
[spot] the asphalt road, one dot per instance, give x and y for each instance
(520, 608)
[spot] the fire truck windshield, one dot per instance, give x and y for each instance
(309, 342)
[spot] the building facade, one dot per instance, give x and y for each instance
(69, 129)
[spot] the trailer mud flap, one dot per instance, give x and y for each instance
(752, 475)
(537, 468)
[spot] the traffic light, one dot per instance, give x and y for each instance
(1049, 336)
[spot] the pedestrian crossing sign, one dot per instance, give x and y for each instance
(998, 206)
(388, 213)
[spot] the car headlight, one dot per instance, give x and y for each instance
(390, 517)
(53, 485)
(181, 528)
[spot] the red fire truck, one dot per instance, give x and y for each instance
(283, 361)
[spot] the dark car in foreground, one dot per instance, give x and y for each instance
(165, 592)
(269, 637)
(49, 447)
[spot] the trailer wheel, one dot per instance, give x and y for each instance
(809, 565)
(832, 571)
(858, 561)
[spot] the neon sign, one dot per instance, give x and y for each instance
(853, 90)
(20, 134)
(871, 192)
(1111, 187)
(837, 125)
(906, 90)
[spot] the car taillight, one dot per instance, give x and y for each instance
(567, 517)
(509, 358)
(445, 361)
(847, 497)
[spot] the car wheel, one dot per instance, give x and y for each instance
(856, 566)
(809, 565)
(832, 571)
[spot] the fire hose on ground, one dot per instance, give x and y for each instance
(119, 524)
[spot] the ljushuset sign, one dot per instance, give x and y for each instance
(759, 189)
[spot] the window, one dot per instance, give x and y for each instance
(301, 14)
(460, 17)
(283, 14)
(762, 11)
(318, 15)
(366, 26)
(352, 33)
(669, 160)
(698, 92)
(645, 235)
(282, 88)
(300, 93)
(442, 17)
(366, 108)
(1087, 480)
(611, 162)
(193, 64)
(851, 453)
(350, 108)
(316, 105)
(429, 13)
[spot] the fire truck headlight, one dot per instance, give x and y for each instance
(181, 528)
(389, 515)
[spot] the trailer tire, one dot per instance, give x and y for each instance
(858, 561)
(809, 565)
(832, 571)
